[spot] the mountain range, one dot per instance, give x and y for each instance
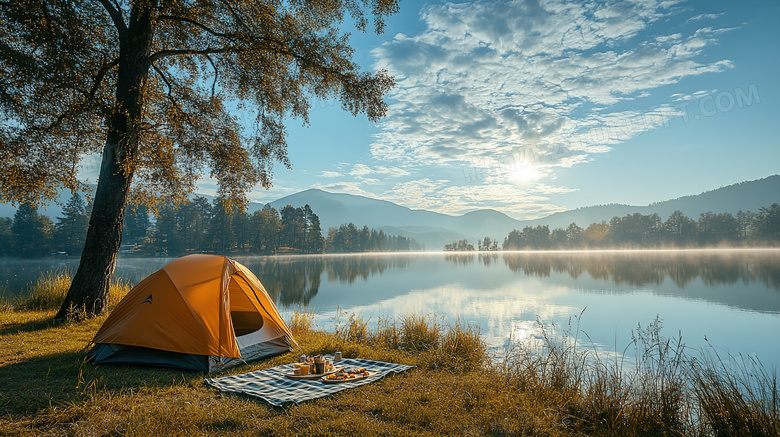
(436, 229)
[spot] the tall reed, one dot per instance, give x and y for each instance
(736, 396)
(655, 386)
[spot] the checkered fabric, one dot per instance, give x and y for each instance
(273, 387)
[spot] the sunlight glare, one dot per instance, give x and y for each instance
(525, 173)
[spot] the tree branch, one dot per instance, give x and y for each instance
(172, 98)
(235, 14)
(102, 71)
(184, 52)
(165, 79)
(116, 16)
(198, 24)
(216, 74)
(100, 75)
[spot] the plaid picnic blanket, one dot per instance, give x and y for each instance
(273, 387)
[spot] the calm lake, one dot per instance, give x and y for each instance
(728, 299)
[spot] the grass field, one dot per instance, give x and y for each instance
(557, 388)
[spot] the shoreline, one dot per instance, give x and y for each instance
(455, 389)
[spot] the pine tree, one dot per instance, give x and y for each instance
(71, 228)
(137, 224)
(6, 236)
(316, 244)
(31, 231)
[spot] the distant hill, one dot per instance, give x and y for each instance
(745, 196)
(435, 229)
(432, 229)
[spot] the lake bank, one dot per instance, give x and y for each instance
(456, 390)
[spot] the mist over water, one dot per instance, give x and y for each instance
(731, 297)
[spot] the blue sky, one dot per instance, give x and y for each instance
(531, 108)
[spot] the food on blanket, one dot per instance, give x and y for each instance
(344, 375)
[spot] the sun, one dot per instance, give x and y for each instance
(525, 172)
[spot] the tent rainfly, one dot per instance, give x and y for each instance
(200, 312)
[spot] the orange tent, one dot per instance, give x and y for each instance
(200, 312)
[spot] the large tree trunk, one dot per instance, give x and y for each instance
(88, 293)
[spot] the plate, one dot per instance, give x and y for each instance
(337, 381)
(310, 376)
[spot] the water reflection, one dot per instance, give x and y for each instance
(488, 258)
(293, 281)
(347, 269)
(642, 268)
(729, 297)
(287, 280)
(290, 280)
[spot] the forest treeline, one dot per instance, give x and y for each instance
(349, 238)
(647, 231)
(195, 226)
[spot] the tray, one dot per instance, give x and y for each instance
(310, 376)
(325, 380)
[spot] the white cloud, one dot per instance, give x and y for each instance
(391, 171)
(702, 17)
(553, 189)
(487, 78)
(442, 196)
(360, 170)
(262, 195)
(345, 187)
(511, 90)
(330, 174)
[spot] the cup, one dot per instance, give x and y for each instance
(337, 356)
(319, 367)
(304, 369)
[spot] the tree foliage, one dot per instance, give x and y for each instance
(152, 85)
(63, 61)
(640, 231)
(487, 244)
(348, 238)
(460, 246)
(71, 228)
(31, 232)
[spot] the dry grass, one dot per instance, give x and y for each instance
(50, 288)
(737, 395)
(556, 388)
(664, 390)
